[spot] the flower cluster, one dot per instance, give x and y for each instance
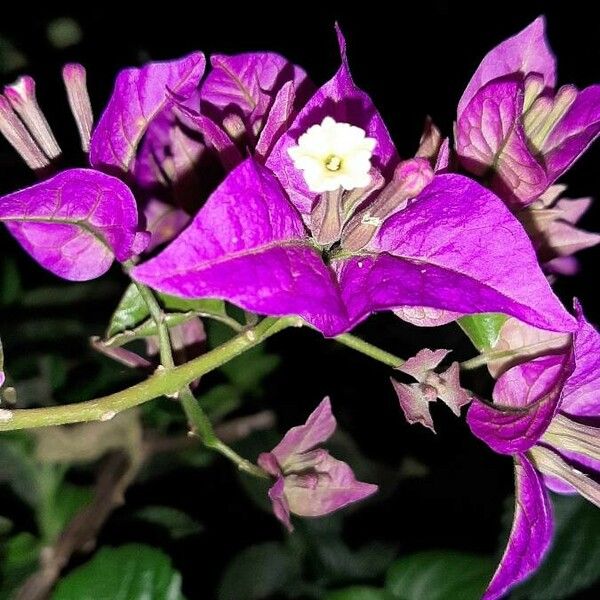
(287, 199)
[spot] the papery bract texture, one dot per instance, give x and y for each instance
(526, 52)
(525, 342)
(343, 101)
(415, 398)
(450, 246)
(75, 223)
(581, 395)
(490, 137)
(528, 397)
(574, 132)
(309, 482)
(335, 488)
(551, 222)
(246, 85)
(514, 128)
(248, 245)
(138, 97)
(458, 248)
(531, 531)
(319, 427)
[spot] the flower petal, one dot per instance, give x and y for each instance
(458, 248)
(340, 99)
(244, 84)
(490, 137)
(318, 428)
(138, 97)
(526, 52)
(530, 535)
(335, 487)
(75, 223)
(527, 398)
(573, 133)
(581, 396)
(279, 503)
(414, 404)
(248, 245)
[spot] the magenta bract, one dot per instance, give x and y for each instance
(454, 247)
(75, 223)
(513, 126)
(139, 96)
(546, 416)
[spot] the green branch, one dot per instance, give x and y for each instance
(370, 350)
(163, 382)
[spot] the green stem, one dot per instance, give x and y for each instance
(394, 361)
(370, 350)
(483, 359)
(202, 426)
(486, 357)
(164, 382)
(199, 422)
(157, 314)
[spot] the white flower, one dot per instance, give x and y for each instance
(334, 155)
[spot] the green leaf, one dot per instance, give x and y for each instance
(259, 572)
(439, 575)
(573, 563)
(17, 467)
(132, 572)
(359, 592)
(130, 311)
(18, 559)
(206, 307)
(131, 319)
(66, 501)
(483, 330)
(342, 564)
(176, 522)
(146, 329)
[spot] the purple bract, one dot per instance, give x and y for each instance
(513, 128)
(265, 241)
(310, 482)
(546, 416)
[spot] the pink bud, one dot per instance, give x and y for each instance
(74, 78)
(22, 98)
(19, 138)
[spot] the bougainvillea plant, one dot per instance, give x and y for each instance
(236, 190)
